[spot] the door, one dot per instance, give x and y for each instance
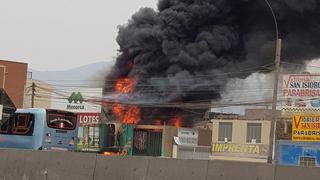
(147, 143)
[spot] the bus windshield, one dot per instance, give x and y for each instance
(61, 120)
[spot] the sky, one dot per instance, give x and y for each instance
(63, 34)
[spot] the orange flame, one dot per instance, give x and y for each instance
(125, 85)
(176, 121)
(118, 110)
(129, 115)
(158, 122)
(132, 116)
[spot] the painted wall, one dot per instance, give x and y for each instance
(238, 142)
(239, 130)
(288, 153)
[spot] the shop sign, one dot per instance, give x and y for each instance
(188, 136)
(301, 93)
(306, 128)
(86, 119)
(240, 150)
(79, 100)
(75, 101)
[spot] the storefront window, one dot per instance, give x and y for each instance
(88, 138)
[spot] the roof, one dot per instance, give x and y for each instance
(13, 61)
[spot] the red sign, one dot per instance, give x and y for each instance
(86, 119)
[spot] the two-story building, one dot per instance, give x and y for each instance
(242, 138)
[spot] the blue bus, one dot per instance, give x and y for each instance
(40, 129)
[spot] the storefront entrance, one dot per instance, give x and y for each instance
(88, 132)
(88, 138)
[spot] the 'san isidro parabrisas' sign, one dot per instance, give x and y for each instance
(306, 128)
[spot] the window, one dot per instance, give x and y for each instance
(20, 124)
(225, 131)
(93, 136)
(254, 133)
(62, 121)
(308, 161)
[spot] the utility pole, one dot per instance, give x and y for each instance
(33, 89)
(275, 88)
(274, 102)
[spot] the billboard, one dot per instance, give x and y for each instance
(306, 128)
(301, 94)
(78, 100)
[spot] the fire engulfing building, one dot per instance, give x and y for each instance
(181, 56)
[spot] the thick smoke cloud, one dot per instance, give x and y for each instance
(188, 49)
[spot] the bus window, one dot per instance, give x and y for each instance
(61, 121)
(20, 124)
(23, 124)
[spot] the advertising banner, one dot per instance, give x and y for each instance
(301, 94)
(306, 128)
(240, 150)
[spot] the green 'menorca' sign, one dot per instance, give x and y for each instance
(76, 98)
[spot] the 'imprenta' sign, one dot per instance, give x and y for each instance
(240, 150)
(306, 128)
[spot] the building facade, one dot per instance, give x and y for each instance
(240, 140)
(37, 94)
(13, 77)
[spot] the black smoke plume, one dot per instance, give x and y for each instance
(186, 51)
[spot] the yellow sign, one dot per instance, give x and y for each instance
(237, 148)
(306, 128)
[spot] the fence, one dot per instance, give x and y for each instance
(193, 152)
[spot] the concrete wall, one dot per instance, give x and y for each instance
(36, 165)
(167, 138)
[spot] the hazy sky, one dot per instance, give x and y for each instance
(61, 34)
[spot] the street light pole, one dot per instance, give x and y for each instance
(275, 88)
